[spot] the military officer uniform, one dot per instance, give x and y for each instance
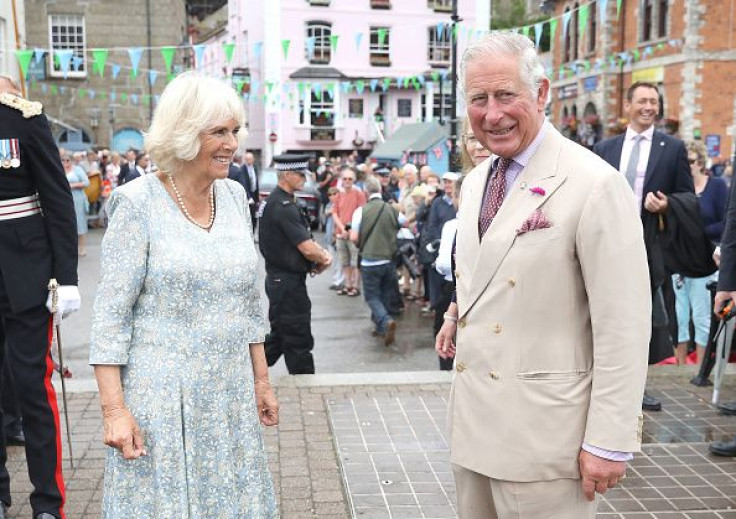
(282, 228)
(38, 241)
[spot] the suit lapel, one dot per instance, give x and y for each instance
(658, 147)
(614, 153)
(519, 204)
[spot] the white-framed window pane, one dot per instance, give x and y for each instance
(440, 46)
(322, 51)
(66, 32)
(376, 45)
(322, 110)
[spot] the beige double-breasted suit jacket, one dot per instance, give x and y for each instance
(554, 323)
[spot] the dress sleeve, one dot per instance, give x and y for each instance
(256, 332)
(124, 262)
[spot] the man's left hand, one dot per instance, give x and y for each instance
(599, 474)
(68, 300)
(656, 202)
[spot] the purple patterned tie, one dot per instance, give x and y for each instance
(495, 191)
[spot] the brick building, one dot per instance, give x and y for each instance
(686, 47)
(85, 109)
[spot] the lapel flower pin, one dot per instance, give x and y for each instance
(538, 190)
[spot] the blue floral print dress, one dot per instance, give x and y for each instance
(176, 308)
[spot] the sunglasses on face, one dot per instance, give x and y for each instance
(692, 161)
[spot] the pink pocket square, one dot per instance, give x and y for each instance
(536, 221)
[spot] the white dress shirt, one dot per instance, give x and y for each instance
(645, 148)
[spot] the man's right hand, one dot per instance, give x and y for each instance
(721, 300)
(445, 342)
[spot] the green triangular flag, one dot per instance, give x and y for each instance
(269, 87)
(416, 83)
(387, 83)
(382, 37)
(405, 82)
(124, 96)
(168, 54)
(525, 31)
(552, 30)
(82, 92)
(57, 61)
(228, 48)
(454, 32)
(333, 42)
(435, 76)
(103, 95)
(54, 90)
(285, 46)
(239, 85)
(300, 87)
(24, 58)
(583, 18)
(100, 57)
(618, 8)
(636, 54)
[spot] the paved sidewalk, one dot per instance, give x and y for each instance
(373, 446)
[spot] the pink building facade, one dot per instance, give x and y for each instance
(331, 76)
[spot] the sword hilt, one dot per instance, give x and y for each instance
(53, 288)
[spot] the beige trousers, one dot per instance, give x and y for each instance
(481, 497)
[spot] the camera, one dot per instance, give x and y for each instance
(405, 254)
(348, 226)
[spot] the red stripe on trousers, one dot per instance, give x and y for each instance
(51, 396)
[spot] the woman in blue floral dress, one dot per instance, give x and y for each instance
(178, 327)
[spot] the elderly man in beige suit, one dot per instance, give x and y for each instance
(552, 318)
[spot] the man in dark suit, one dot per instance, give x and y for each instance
(656, 166)
(127, 167)
(727, 291)
(247, 176)
(38, 241)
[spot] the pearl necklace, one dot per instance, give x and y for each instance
(184, 209)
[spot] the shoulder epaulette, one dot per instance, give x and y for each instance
(27, 108)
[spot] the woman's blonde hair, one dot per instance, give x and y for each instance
(466, 161)
(698, 147)
(190, 105)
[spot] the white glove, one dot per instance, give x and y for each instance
(68, 300)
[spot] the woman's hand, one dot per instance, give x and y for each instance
(266, 403)
(445, 341)
(122, 432)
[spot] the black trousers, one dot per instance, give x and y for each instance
(290, 314)
(27, 352)
(443, 303)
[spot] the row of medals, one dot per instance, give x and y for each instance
(9, 153)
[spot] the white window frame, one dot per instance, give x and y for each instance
(321, 31)
(376, 48)
(326, 106)
(439, 48)
(56, 21)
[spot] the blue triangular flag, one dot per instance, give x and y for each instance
(358, 39)
(134, 98)
(44, 87)
(346, 86)
(65, 58)
(257, 49)
(421, 79)
(538, 27)
(115, 71)
(399, 81)
(444, 74)
(135, 58)
(113, 96)
(91, 93)
(440, 29)
(77, 62)
(374, 85)
(38, 56)
(62, 90)
(602, 9)
(198, 54)
(565, 22)
(310, 47)
(152, 75)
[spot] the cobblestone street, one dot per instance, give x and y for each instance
(373, 446)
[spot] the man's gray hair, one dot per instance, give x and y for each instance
(371, 185)
(511, 44)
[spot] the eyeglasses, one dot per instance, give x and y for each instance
(66, 160)
(692, 161)
(351, 179)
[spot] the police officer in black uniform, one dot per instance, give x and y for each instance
(291, 253)
(38, 241)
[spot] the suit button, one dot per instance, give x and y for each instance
(494, 375)
(461, 323)
(497, 328)
(512, 282)
(459, 367)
